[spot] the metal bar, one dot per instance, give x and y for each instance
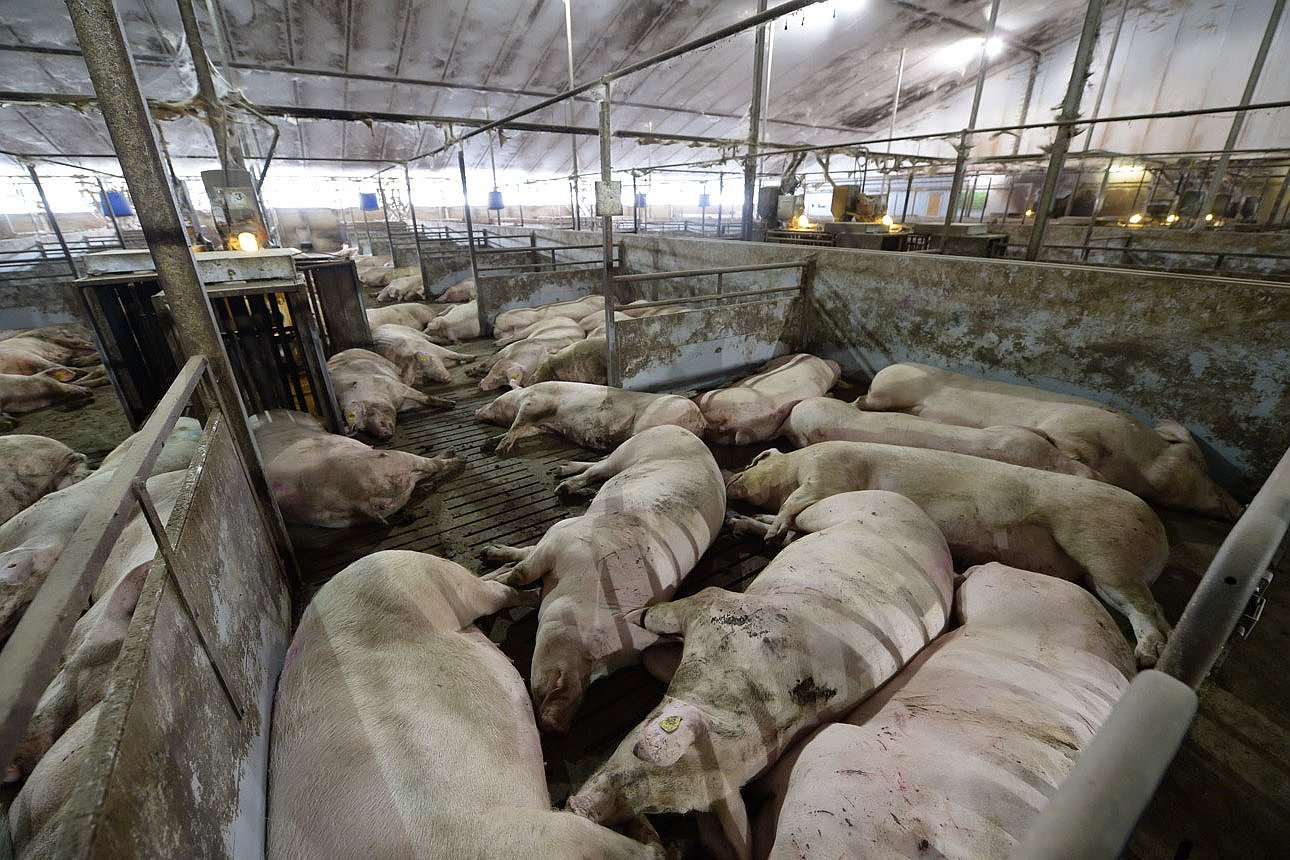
(1097, 207)
(1238, 121)
(723, 270)
(612, 376)
(30, 658)
(895, 106)
(107, 204)
(139, 487)
(573, 140)
(484, 270)
(385, 213)
(107, 57)
(470, 239)
(1106, 73)
(229, 151)
(754, 129)
(1062, 138)
(587, 246)
(1225, 590)
(1094, 811)
(416, 231)
(739, 294)
(1280, 198)
(964, 147)
(49, 213)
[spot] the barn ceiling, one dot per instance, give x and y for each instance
(422, 68)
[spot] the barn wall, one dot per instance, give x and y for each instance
(41, 295)
(1211, 352)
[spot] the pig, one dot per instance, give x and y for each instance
(581, 361)
(176, 453)
(1056, 524)
(20, 394)
(830, 619)
(462, 291)
(660, 508)
(32, 467)
(824, 419)
(1163, 465)
(514, 364)
(551, 327)
(406, 288)
(517, 318)
(752, 409)
(381, 277)
(977, 732)
(21, 362)
(595, 321)
(418, 359)
(592, 416)
(371, 392)
(388, 675)
(37, 813)
(458, 323)
(411, 314)
(321, 479)
(66, 344)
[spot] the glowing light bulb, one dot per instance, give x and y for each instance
(1209, 216)
(1030, 213)
(1135, 218)
(246, 241)
(1171, 218)
(888, 220)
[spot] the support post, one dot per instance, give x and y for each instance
(416, 232)
(1062, 138)
(636, 209)
(49, 213)
(1238, 121)
(612, 371)
(754, 127)
(964, 145)
(107, 56)
(385, 213)
(1097, 207)
(573, 138)
(484, 327)
(230, 152)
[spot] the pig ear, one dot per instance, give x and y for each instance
(666, 618)
(667, 736)
(763, 455)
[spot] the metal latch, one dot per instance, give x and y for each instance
(1254, 609)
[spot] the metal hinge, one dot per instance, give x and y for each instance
(1254, 609)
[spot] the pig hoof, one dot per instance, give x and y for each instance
(571, 487)
(1149, 649)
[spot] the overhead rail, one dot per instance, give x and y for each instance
(1098, 805)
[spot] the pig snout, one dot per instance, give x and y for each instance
(597, 802)
(557, 696)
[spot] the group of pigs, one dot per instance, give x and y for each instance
(404, 283)
(45, 366)
(825, 710)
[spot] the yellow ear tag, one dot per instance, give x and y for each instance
(670, 724)
(351, 416)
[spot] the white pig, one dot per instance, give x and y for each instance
(830, 619)
(515, 363)
(36, 815)
(371, 392)
(826, 419)
(593, 416)
(561, 327)
(411, 314)
(458, 323)
(514, 319)
(582, 361)
(32, 467)
(956, 755)
(1163, 465)
(462, 291)
(752, 409)
(20, 394)
(659, 510)
(322, 479)
(1060, 525)
(403, 289)
(388, 679)
(419, 359)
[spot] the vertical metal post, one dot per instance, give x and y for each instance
(367, 228)
(1025, 109)
(989, 182)
(895, 106)
(1106, 74)
(116, 225)
(416, 231)
(229, 151)
(1281, 196)
(909, 193)
(573, 138)
(385, 213)
(612, 371)
(1238, 121)
(1062, 138)
(964, 147)
(721, 191)
(470, 240)
(754, 127)
(107, 56)
(636, 209)
(1097, 207)
(53, 222)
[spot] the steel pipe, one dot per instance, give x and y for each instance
(612, 375)
(229, 151)
(691, 273)
(754, 129)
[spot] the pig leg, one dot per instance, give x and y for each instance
(1150, 627)
(537, 562)
(572, 467)
(807, 494)
(499, 554)
(724, 830)
(411, 395)
(527, 423)
(757, 526)
(599, 472)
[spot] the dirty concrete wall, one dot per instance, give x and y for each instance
(1211, 352)
(530, 289)
(172, 770)
(704, 346)
(41, 295)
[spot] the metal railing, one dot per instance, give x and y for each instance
(30, 659)
(1128, 252)
(720, 273)
(1096, 808)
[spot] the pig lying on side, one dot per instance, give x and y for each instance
(462, 291)
(562, 327)
(66, 344)
(388, 675)
(752, 409)
(404, 289)
(454, 325)
(20, 394)
(20, 362)
(593, 416)
(32, 467)
(977, 731)
(830, 619)
(515, 364)
(659, 510)
(517, 318)
(1163, 465)
(825, 419)
(371, 392)
(1055, 524)
(419, 359)
(582, 361)
(412, 315)
(321, 479)
(384, 276)
(36, 815)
